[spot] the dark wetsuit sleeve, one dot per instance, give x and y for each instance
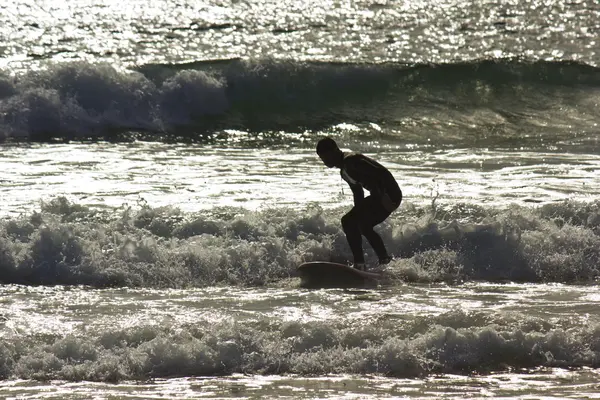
(370, 173)
(364, 172)
(357, 192)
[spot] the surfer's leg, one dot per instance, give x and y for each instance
(372, 213)
(377, 244)
(351, 227)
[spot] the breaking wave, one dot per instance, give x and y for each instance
(501, 100)
(71, 244)
(455, 342)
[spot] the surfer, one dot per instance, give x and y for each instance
(385, 196)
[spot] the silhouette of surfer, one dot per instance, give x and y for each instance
(362, 172)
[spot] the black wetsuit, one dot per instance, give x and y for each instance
(385, 196)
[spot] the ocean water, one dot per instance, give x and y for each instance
(159, 187)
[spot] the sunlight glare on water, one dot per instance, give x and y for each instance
(562, 384)
(201, 178)
(136, 32)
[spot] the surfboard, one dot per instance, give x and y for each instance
(324, 274)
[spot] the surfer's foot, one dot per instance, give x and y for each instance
(360, 266)
(385, 260)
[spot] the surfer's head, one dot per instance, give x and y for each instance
(329, 152)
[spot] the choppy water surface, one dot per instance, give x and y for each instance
(138, 31)
(193, 178)
(345, 334)
(561, 383)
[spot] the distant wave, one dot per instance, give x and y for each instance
(81, 100)
(453, 343)
(70, 244)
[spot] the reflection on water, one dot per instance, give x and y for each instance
(546, 383)
(193, 177)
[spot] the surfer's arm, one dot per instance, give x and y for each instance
(369, 172)
(358, 193)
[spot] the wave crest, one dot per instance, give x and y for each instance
(81, 100)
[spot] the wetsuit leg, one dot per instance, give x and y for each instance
(359, 221)
(373, 213)
(351, 227)
(376, 242)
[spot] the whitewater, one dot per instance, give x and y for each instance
(159, 186)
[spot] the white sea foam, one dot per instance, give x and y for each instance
(71, 244)
(302, 348)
